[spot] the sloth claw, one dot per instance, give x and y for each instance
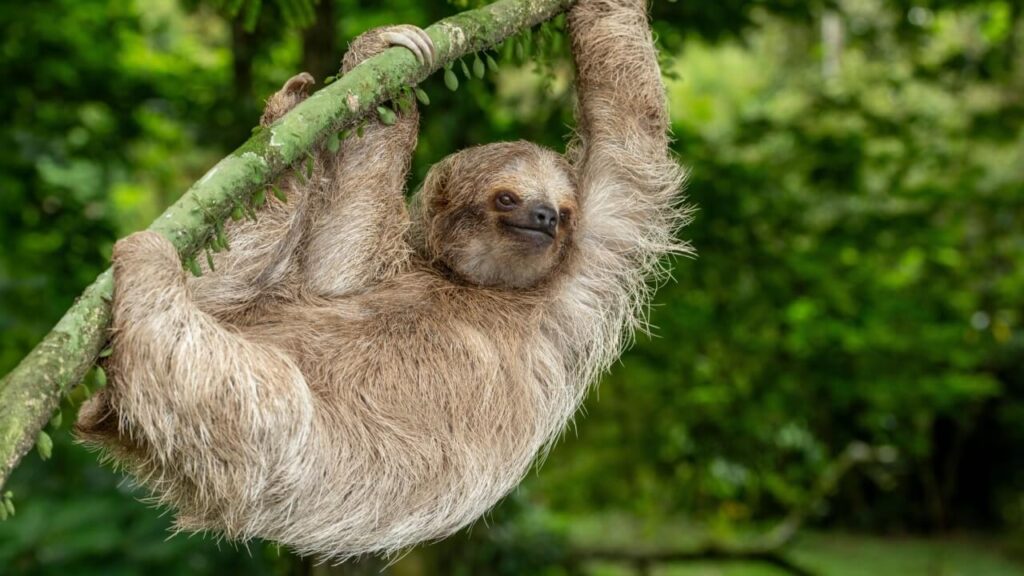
(298, 84)
(415, 40)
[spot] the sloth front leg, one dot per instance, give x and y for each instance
(294, 91)
(259, 265)
(206, 417)
(357, 233)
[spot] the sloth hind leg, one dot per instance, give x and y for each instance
(196, 399)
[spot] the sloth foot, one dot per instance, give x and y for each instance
(298, 84)
(295, 90)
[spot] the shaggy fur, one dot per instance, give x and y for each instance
(352, 379)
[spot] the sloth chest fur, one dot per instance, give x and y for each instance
(403, 365)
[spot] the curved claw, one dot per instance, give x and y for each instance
(399, 39)
(298, 83)
(428, 44)
(415, 40)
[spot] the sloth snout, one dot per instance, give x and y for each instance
(544, 217)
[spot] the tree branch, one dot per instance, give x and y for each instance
(30, 393)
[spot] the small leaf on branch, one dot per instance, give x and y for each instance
(279, 194)
(236, 212)
(451, 80)
(193, 266)
(101, 377)
(259, 198)
(386, 115)
(404, 103)
(333, 143)
(478, 67)
(309, 166)
(465, 69)
(57, 419)
(422, 96)
(329, 79)
(222, 239)
(542, 45)
(106, 352)
(209, 260)
(44, 444)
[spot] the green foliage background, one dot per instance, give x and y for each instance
(860, 236)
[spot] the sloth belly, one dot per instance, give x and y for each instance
(425, 423)
(427, 414)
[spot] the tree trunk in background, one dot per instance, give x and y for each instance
(320, 54)
(243, 50)
(242, 104)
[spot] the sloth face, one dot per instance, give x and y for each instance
(500, 214)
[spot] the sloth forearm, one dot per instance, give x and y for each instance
(356, 237)
(621, 94)
(356, 232)
(629, 184)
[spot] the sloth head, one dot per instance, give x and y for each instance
(497, 215)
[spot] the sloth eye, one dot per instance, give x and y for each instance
(564, 215)
(506, 201)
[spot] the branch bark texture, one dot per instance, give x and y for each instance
(31, 392)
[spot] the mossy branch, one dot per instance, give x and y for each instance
(31, 392)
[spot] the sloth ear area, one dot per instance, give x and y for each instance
(427, 201)
(437, 183)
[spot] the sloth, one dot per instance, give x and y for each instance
(359, 373)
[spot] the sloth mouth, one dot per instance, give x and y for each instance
(538, 235)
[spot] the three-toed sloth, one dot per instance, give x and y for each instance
(357, 375)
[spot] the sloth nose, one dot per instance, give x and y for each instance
(545, 217)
